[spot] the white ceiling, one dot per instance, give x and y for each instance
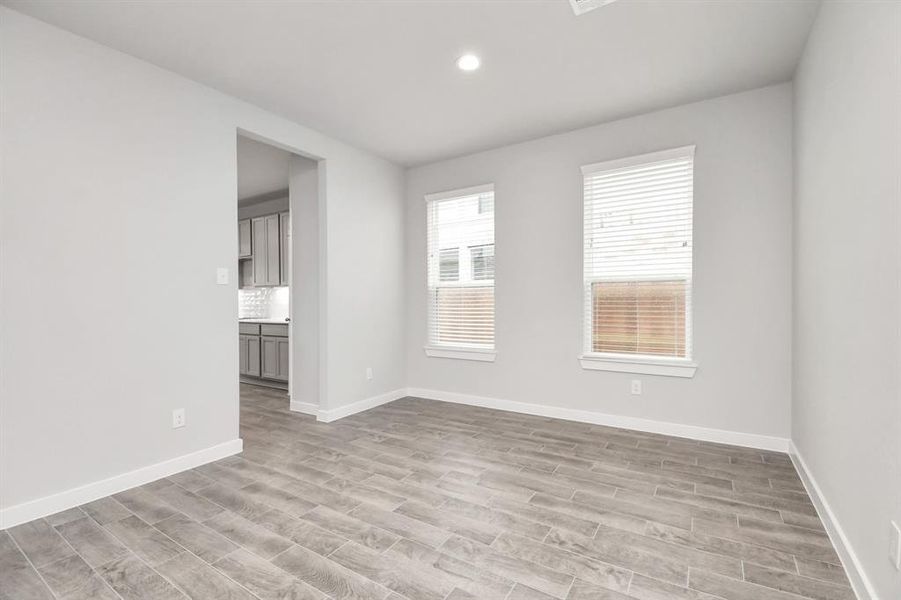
(380, 74)
(262, 169)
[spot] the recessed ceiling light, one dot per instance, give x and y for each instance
(469, 62)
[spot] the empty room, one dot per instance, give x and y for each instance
(450, 299)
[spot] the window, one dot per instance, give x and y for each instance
(638, 263)
(461, 273)
(482, 259)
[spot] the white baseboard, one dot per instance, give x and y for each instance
(863, 587)
(735, 438)
(327, 416)
(307, 408)
(48, 505)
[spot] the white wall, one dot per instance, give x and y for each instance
(846, 418)
(120, 175)
(742, 268)
(365, 305)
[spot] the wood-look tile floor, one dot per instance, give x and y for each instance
(422, 500)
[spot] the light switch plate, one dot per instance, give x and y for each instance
(895, 549)
(222, 275)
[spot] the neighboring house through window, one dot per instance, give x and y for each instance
(449, 264)
(482, 260)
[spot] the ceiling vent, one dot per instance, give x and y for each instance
(580, 7)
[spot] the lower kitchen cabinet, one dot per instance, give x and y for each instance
(263, 351)
(249, 355)
(274, 357)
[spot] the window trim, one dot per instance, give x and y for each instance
(638, 363)
(460, 352)
(459, 193)
(646, 364)
(631, 161)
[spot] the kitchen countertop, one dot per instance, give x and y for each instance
(266, 321)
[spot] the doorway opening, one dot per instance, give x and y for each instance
(277, 228)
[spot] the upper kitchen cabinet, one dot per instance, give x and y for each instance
(265, 240)
(245, 249)
(284, 226)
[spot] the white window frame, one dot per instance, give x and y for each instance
(637, 363)
(455, 351)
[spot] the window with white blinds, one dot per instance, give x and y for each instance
(460, 235)
(638, 256)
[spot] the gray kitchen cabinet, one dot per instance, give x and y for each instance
(274, 357)
(284, 247)
(245, 248)
(274, 329)
(249, 355)
(248, 328)
(245, 273)
(265, 243)
(283, 363)
(263, 352)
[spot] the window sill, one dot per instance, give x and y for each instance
(644, 366)
(461, 353)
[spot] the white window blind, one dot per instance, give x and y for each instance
(461, 268)
(638, 255)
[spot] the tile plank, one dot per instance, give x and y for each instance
(17, 577)
(516, 569)
(199, 539)
(40, 542)
(264, 579)
(147, 542)
(92, 542)
(199, 581)
(328, 576)
(247, 534)
(133, 580)
(796, 584)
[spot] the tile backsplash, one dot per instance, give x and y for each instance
(263, 303)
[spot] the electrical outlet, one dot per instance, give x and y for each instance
(222, 275)
(636, 387)
(895, 550)
(178, 418)
(368, 372)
